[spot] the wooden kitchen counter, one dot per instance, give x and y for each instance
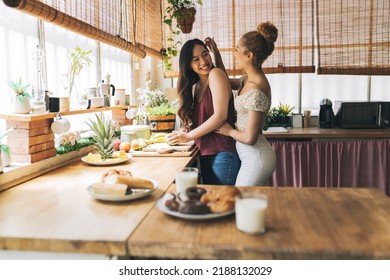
(55, 213)
(302, 223)
(328, 133)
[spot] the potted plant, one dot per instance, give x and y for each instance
(183, 11)
(162, 118)
(78, 59)
(5, 149)
(161, 115)
(21, 100)
(278, 116)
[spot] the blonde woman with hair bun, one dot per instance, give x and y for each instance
(252, 101)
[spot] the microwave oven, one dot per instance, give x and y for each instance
(374, 114)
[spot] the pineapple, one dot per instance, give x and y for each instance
(104, 136)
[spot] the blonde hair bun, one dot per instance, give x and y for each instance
(268, 31)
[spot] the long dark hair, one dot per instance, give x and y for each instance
(187, 78)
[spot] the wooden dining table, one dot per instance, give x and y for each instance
(302, 223)
(55, 213)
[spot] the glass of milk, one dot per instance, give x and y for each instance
(186, 178)
(250, 213)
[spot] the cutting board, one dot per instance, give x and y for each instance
(181, 150)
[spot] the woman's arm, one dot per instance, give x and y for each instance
(212, 45)
(221, 93)
(250, 134)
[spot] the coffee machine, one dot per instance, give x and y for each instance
(326, 117)
(104, 88)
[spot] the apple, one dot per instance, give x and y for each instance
(125, 146)
(117, 143)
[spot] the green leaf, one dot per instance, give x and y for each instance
(162, 110)
(5, 149)
(83, 142)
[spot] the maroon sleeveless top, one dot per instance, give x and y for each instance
(213, 142)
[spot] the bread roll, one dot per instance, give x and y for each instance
(135, 183)
(131, 182)
(115, 176)
(165, 150)
(104, 188)
(106, 177)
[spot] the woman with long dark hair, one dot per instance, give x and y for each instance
(205, 103)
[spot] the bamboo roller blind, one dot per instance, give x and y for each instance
(228, 20)
(131, 25)
(353, 37)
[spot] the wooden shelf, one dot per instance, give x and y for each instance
(36, 117)
(32, 139)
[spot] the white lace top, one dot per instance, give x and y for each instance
(254, 99)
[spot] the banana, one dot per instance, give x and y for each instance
(159, 137)
(160, 134)
(159, 140)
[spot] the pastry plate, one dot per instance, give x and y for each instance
(201, 217)
(111, 161)
(131, 194)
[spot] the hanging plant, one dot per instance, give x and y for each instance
(183, 11)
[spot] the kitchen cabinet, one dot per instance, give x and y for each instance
(332, 158)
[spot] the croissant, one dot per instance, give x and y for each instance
(221, 199)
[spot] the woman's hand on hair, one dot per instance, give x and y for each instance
(211, 44)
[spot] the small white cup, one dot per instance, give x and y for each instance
(251, 211)
(64, 104)
(119, 97)
(131, 113)
(92, 92)
(186, 178)
(60, 125)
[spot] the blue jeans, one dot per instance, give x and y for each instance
(220, 169)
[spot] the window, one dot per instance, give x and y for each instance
(227, 21)
(18, 38)
(58, 42)
(119, 23)
(18, 41)
(353, 37)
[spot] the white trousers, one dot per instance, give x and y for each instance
(257, 163)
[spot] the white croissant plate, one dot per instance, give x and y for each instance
(130, 195)
(194, 217)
